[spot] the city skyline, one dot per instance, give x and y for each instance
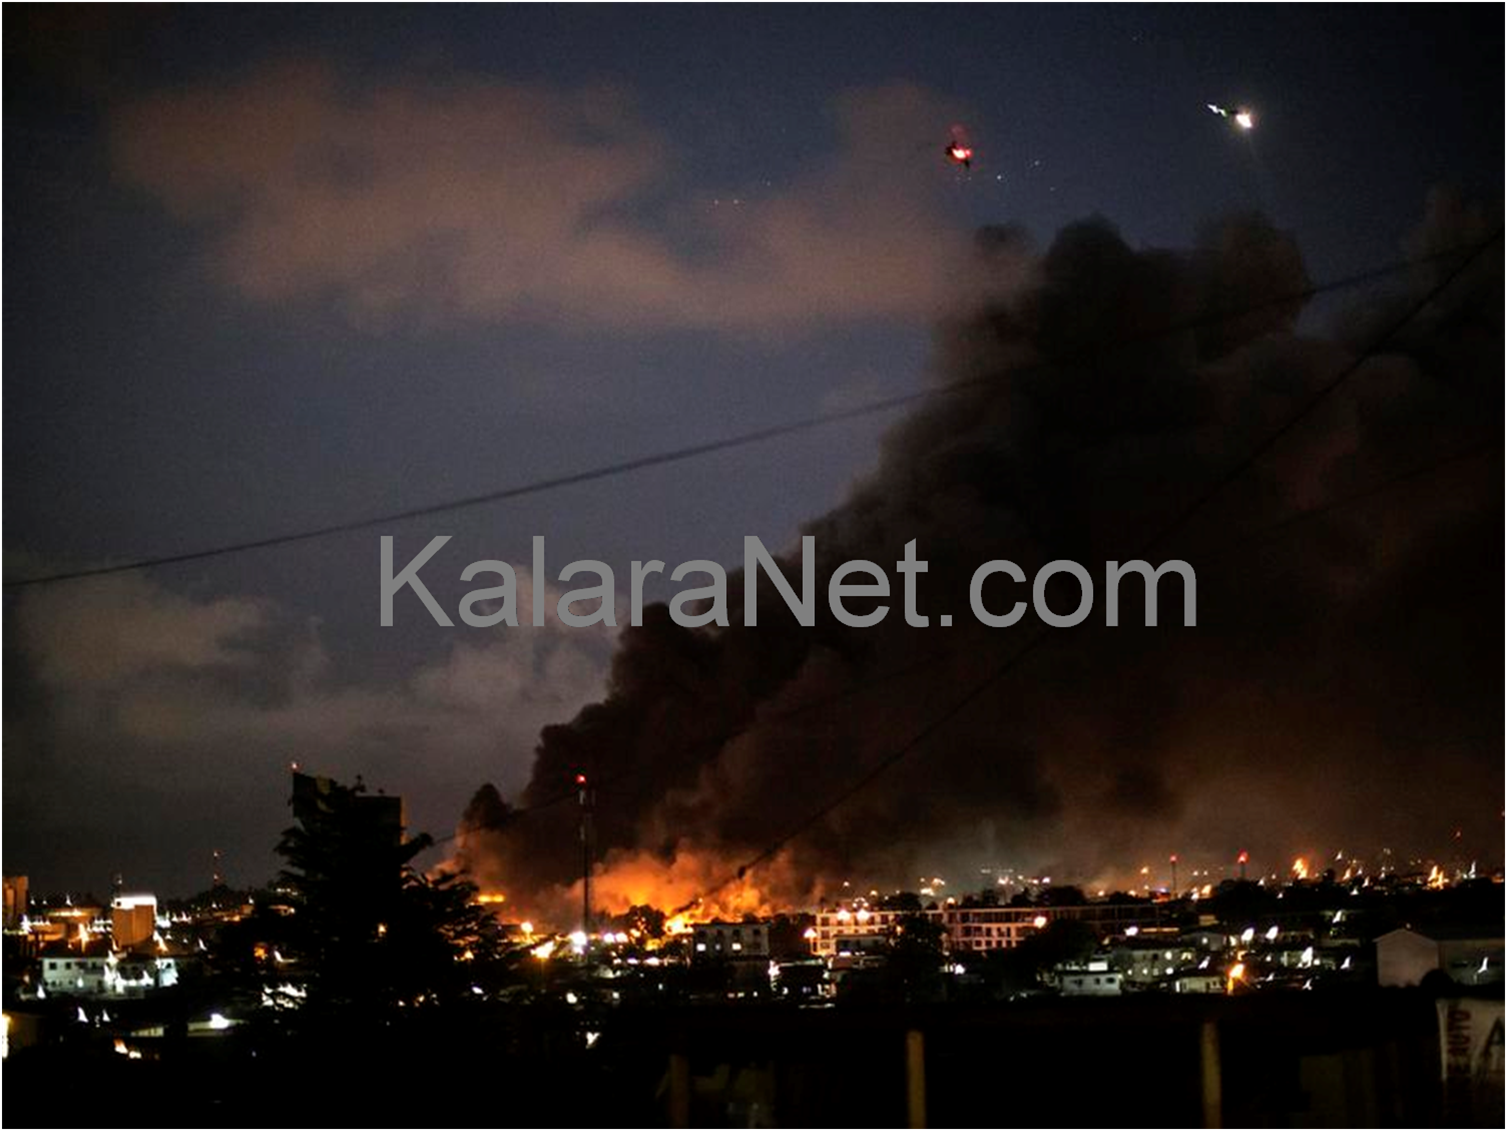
(280, 273)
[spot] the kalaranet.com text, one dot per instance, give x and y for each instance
(711, 600)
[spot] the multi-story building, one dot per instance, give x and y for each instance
(730, 940)
(16, 902)
(75, 972)
(989, 928)
(852, 930)
(94, 970)
(858, 928)
(133, 920)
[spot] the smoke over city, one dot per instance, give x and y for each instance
(1087, 398)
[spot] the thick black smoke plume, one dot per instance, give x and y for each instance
(1341, 688)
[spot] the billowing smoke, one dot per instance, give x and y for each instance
(1341, 686)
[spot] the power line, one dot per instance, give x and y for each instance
(958, 706)
(745, 439)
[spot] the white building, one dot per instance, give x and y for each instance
(74, 973)
(1094, 980)
(1199, 982)
(105, 974)
(1471, 957)
(853, 930)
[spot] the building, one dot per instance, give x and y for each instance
(989, 928)
(1095, 979)
(15, 901)
(1471, 956)
(730, 940)
(853, 930)
(1198, 981)
(75, 972)
(861, 928)
(96, 972)
(133, 920)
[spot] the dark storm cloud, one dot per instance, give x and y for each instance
(1280, 717)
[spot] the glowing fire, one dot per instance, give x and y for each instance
(960, 153)
(1436, 881)
(491, 897)
(1237, 974)
(1300, 869)
(693, 887)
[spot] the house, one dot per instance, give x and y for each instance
(1469, 955)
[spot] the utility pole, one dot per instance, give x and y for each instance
(586, 797)
(1173, 862)
(1241, 860)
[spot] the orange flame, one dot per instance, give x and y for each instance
(694, 887)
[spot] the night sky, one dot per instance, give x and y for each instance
(269, 270)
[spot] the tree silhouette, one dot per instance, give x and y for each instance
(915, 957)
(357, 932)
